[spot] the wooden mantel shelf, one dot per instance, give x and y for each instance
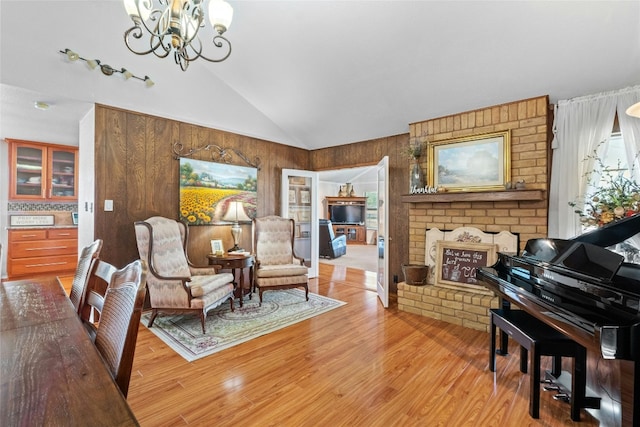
(477, 196)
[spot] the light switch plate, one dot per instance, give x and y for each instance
(108, 205)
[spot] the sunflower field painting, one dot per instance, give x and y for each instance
(207, 188)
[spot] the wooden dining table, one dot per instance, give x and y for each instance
(50, 371)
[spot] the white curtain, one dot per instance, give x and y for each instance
(580, 125)
(630, 129)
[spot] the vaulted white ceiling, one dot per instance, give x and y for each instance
(316, 74)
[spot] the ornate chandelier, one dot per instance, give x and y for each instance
(173, 25)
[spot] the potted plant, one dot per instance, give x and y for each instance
(415, 274)
(614, 195)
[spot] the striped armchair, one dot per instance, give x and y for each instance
(174, 283)
(277, 266)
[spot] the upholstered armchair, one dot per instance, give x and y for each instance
(330, 245)
(277, 266)
(174, 283)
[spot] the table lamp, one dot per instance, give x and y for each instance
(235, 213)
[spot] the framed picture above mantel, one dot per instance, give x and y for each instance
(471, 163)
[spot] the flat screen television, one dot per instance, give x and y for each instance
(347, 214)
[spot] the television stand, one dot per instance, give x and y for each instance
(356, 234)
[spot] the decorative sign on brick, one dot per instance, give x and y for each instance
(457, 261)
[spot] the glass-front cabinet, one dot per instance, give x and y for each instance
(299, 202)
(42, 171)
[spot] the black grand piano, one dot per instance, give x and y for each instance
(585, 291)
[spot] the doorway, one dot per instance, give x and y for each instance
(363, 181)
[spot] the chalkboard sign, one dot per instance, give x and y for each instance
(457, 261)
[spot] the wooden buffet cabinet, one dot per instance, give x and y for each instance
(41, 173)
(38, 251)
(356, 233)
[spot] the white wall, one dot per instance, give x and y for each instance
(86, 177)
(4, 200)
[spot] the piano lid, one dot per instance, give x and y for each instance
(612, 233)
(580, 257)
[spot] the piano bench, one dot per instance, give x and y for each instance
(539, 339)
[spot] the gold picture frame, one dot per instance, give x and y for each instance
(471, 163)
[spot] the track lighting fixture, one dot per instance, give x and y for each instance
(106, 69)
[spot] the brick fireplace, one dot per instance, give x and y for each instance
(519, 211)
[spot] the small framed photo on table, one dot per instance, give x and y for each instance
(216, 247)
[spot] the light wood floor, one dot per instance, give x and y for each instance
(358, 365)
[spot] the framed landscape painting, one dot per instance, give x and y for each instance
(207, 188)
(471, 163)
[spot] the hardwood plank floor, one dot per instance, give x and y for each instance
(359, 365)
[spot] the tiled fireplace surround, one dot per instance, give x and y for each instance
(529, 121)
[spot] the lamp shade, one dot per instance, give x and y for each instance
(235, 213)
(634, 110)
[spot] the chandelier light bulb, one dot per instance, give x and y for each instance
(138, 8)
(220, 15)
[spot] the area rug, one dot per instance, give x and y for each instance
(226, 328)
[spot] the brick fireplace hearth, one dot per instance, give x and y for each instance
(523, 212)
(464, 308)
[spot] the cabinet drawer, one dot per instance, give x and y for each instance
(43, 248)
(27, 235)
(62, 233)
(34, 266)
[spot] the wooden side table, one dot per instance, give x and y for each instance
(234, 263)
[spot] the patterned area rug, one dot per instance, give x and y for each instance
(183, 333)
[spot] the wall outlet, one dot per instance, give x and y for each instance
(108, 205)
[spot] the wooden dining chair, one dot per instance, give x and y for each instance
(83, 272)
(93, 299)
(118, 330)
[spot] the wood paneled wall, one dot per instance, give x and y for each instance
(135, 167)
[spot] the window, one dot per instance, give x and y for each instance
(612, 192)
(372, 209)
(614, 157)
